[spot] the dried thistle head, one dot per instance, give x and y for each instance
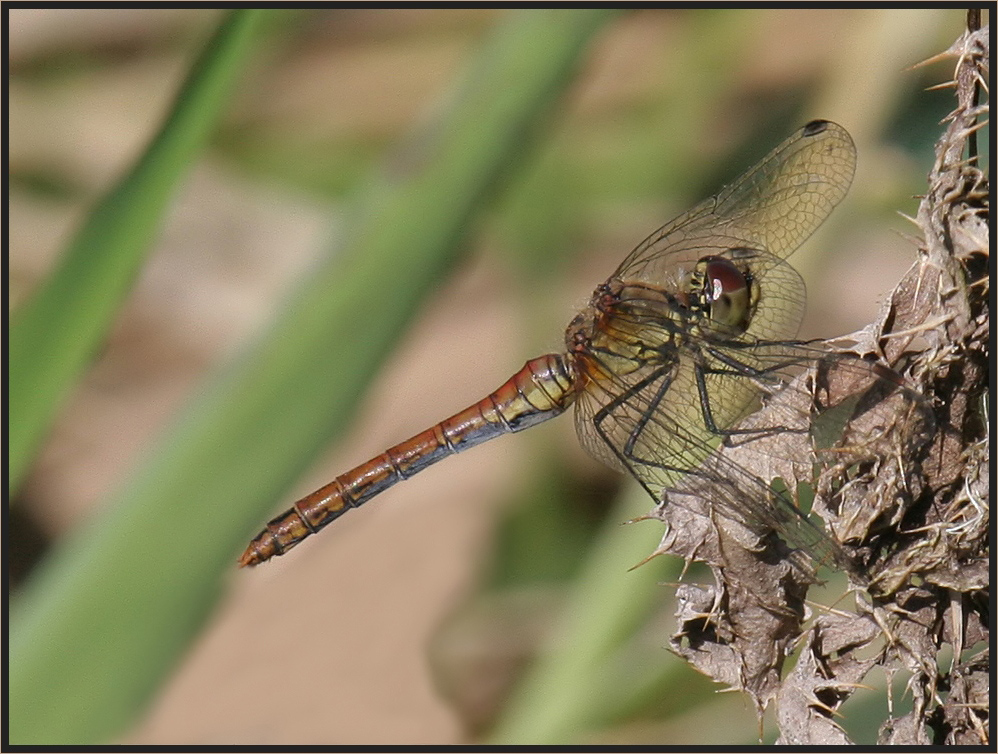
(903, 491)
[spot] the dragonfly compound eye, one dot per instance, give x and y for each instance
(726, 291)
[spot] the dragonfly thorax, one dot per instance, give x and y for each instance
(626, 326)
(631, 324)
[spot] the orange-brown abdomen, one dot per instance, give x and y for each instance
(542, 389)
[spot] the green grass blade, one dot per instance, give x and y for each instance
(53, 335)
(561, 696)
(105, 618)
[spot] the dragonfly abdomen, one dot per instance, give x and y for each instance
(542, 389)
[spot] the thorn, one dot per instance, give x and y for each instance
(643, 560)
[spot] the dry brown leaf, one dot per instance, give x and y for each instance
(904, 491)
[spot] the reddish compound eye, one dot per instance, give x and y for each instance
(726, 291)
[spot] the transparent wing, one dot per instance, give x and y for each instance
(695, 380)
(673, 389)
(652, 423)
(660, 422)
(773, 207)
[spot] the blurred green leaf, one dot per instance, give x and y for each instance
(561, 695)
(103, 620)
(55, 333)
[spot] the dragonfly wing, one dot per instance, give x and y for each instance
(650, 423)
(772, 424)
(690, 368)
(774, 207)
(661, 411)
(617, 418)
(654, 429)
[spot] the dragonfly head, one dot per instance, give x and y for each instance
(724, 292)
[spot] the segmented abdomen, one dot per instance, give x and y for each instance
(542, 389)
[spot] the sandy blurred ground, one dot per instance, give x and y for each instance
(326, 646)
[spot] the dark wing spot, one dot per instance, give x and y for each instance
(815, 127)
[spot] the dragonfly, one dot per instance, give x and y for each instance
(687, 338)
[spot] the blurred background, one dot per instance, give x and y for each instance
(411, 620)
